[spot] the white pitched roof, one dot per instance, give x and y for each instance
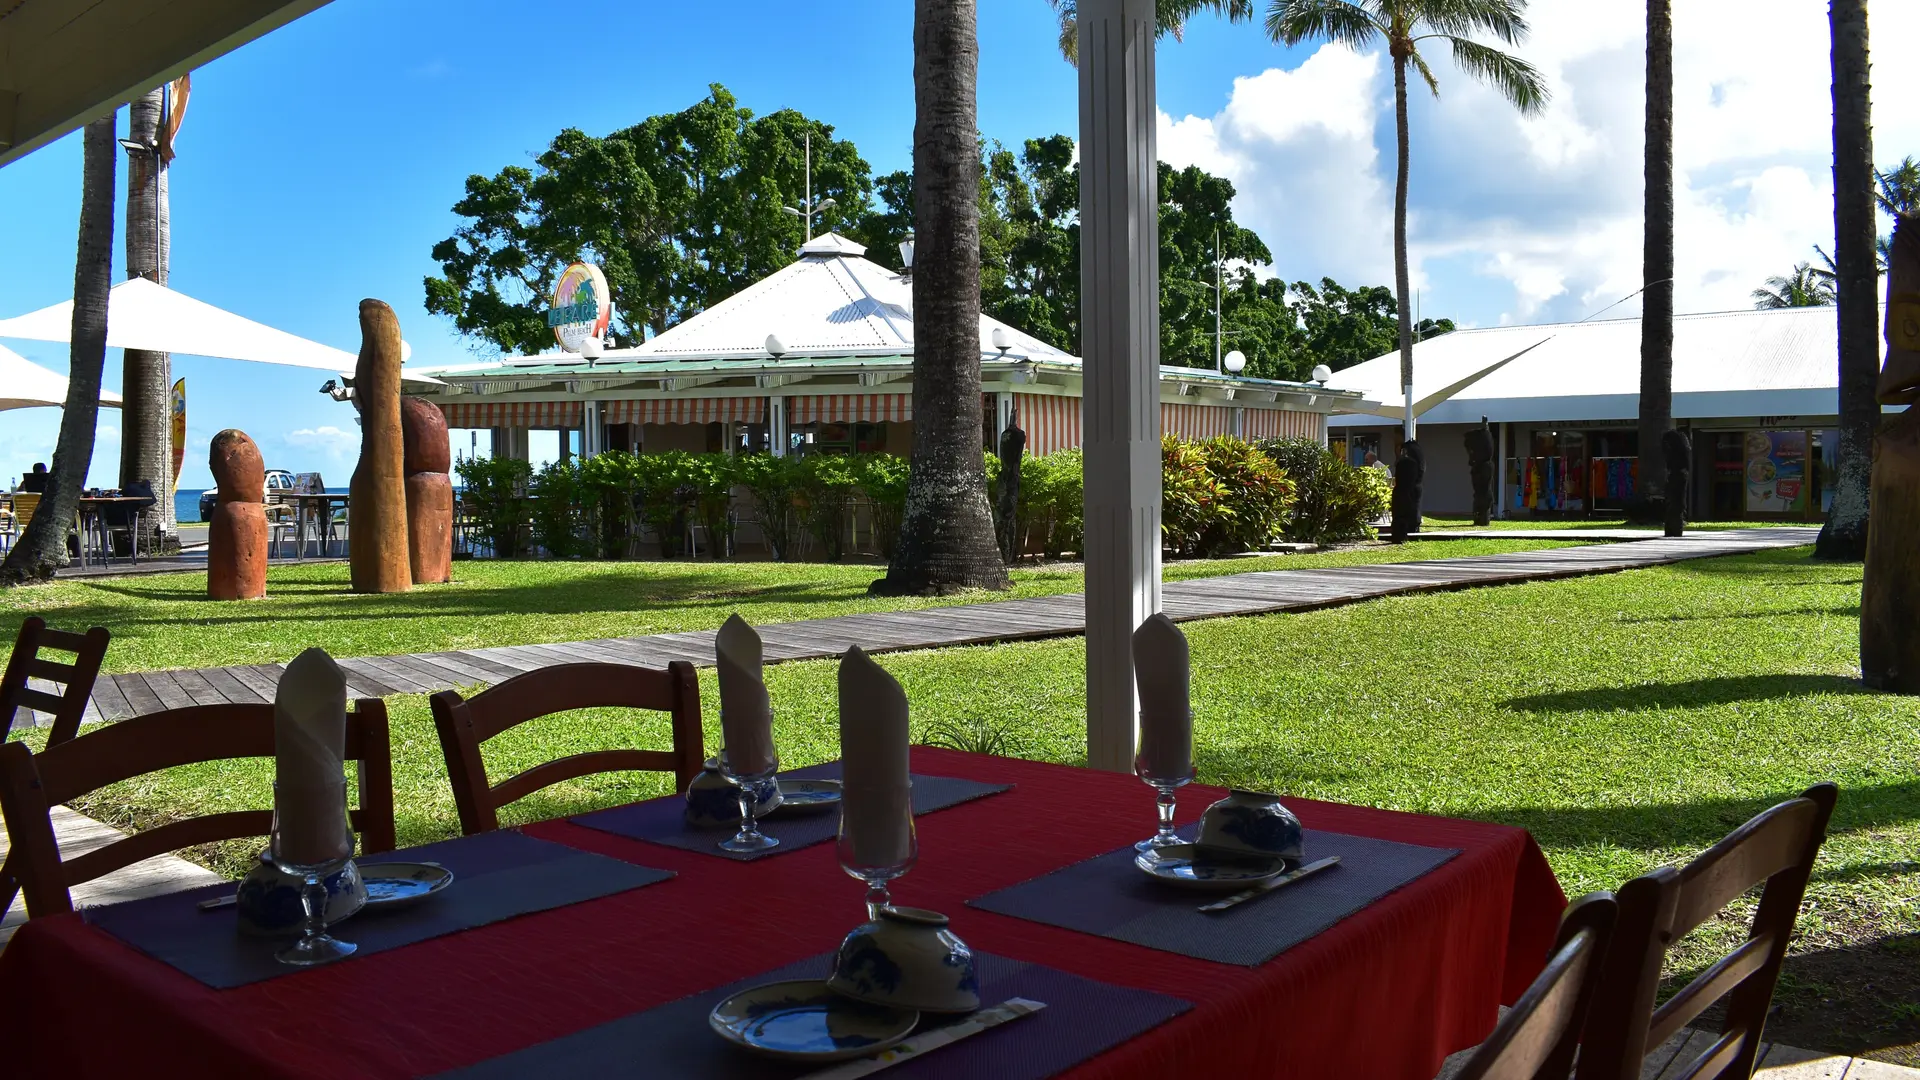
(1725, 364)
(830, 302)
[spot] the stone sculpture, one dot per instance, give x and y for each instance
(1676, 452)
(1409, 472)
(1013, 443)
(1890, 588)
(377, 533)
(427, 456)
(1480, 450)
(237, 532)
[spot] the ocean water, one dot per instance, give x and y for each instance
(186, 503)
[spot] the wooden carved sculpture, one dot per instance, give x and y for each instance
(427, 457)
(1890, 588)
(1409, 472)
(1013, 443)
(237, 533)
(377, 536)
(1480, 451)
(1676, 452)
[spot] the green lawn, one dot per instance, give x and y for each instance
(1443, 524)
(166, 621)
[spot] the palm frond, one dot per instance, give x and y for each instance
(1291, 22)
(1068, 12)
(1420, 65)
(1517, 80)
(974, 736)
(1171, 16)
(1503, 19)
(1898, 189)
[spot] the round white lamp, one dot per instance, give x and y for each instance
(1235, 362)
(1002, 340)
(590, 348)
(1321, 373)
(774, 346)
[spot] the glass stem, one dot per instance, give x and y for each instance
(1165, 835)
(313, 904)
(749, 829)
(877, 898)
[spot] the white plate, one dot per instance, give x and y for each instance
(1186, 866)
(805, 1021)
(807, 796)
(397, 884)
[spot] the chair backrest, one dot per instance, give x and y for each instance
(75, 679)
(32, 783)
(24, 504)
(1537, 1038)
(1658, 909)
(465, 723)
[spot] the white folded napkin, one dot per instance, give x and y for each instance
(876, 804)
(309, 747)
(1162, 674)
(746, 715)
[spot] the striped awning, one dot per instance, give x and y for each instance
(512, 414)
(1195, 422)
(1283, 424)
(850, 408)
(684, 410)
(1051, 423)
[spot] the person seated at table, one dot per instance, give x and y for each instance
(35, 482)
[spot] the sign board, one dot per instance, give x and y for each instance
(582, 306)
(1776, 464)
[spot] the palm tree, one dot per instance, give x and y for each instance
(1898, 189)
(1403, 25)
(946, 533)
(1855, 285)
(1170, 15)
(43, 547)
(1802, 288)
(146, 452)
(1656, 268)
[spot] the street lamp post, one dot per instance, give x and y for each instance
(808, 206)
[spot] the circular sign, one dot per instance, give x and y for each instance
(582, 306)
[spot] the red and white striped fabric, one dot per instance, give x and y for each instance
(1195, 422)
(1051, 423)
(1283, 424)
(684, 410)
(513, 414)
(850, 408)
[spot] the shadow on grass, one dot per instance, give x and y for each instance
(1851, 611)
(1692, 693)
(1857, 1001)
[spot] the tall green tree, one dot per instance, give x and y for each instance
(42, 548)
(1403, 25)
(681, 210)
(1856, 283)
(1801, 288)
(1656, 268)
(1170, 16)
(946, 532)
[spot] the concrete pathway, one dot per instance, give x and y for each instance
(79, 834)
(1777, 1062)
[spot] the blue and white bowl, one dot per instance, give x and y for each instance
(907, 958)
(268, 900)
(1251, 823)
(712, 803)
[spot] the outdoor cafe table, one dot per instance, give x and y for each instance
(317, 506)
(1385, 993)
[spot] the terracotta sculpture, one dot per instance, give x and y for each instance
(237, 532)
(377, 534)
(1480, 450)
(1676, 452)
(1409, 472)
(427, 456)
(1890, 588)
(1013, 443)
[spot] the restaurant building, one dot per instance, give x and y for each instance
(1756, 391)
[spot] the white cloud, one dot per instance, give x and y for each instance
(327, 439)
(1516, 218)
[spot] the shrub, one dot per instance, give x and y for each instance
(614, 496)
(827, 484)
(774, 485)
(668, 496)
(559, 509)
(494, 494)
(882, 478)
(711, 478)
(1059, 496)
(1335, 501)
(1220, 497)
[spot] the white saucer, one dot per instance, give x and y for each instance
(1186, 866)
(807, 796)
(805, 1021)
(397, 884)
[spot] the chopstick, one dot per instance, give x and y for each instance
(1010, 1009)
(1269, 885)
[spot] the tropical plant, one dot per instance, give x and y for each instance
(42, 548)
(773, 483)
(1333, 501)
(1170, 16)
(974, 735)
(1855, 286)
(613, 482)
(1220, 497)
(1801, 288)
(946, 531)
(1655, 408)
(827, 485)
(559, 500)
(712, 476)
(146, 377)
(669, 496)
(883, 479)
(493, 491)
(1403, 25)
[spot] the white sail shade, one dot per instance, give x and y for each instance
(25, 385)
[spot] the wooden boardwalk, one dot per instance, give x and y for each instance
(1264, 592)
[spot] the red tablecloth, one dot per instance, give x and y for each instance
(1385, 993)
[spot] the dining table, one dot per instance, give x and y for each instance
(1387, 991)
(92, 511)
(319, 508)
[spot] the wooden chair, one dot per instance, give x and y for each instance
(465, 723)
(1657, 909)
(32, 783)
(1537, 1038)
(76, 679)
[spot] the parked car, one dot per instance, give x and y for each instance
(277, 480)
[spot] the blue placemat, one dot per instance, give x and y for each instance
(662, 821)
(497, 875)
(673, 1042)
(1107, 895)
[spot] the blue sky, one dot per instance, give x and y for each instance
(317, 165)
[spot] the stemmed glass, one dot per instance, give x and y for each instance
(1165, 786)
(321, 849)
(889, 851)
(751, 788)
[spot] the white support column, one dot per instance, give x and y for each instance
(592, 437)
(1120, 341)
(1003, 411)
(1500, 478)
(1240, 423)
(777, 425)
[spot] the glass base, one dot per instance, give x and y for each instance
(316, 950)
(1154, 843)
(745, 843)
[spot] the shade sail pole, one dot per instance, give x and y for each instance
(1120, 341)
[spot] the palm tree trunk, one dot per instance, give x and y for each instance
(146, 434)
(43, 547)
(1856, 283)
(1403, 290)
(1656, 316)
(946, 534)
